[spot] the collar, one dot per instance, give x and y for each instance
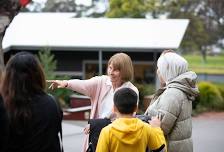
(108, 82)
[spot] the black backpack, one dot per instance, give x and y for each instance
(96, 125)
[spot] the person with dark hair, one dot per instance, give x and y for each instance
(128, 133)
(35, 118)
(101, 89)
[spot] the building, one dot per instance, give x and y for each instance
(82, 46)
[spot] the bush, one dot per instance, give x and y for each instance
(210, 97)
(61, 94)
(49, 64)
(221, 89)
(144, 90)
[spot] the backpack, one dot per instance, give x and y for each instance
(96, 125)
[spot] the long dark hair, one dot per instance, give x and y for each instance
(23, 78)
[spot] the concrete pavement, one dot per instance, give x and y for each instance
(208, 133)
(73, 136)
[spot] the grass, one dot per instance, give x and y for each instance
(213, 65)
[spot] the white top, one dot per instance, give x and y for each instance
(107, 104)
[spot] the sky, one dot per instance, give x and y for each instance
(84, 2)
(100, 6)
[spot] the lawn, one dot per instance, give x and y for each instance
(214, 64)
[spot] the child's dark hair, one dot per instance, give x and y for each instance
(125, 100)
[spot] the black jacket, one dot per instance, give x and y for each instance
(4, 126)
(41, 133)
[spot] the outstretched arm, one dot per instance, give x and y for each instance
(85, 87)
(57, 84)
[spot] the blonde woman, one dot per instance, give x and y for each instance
(101, 89)
(174, 101)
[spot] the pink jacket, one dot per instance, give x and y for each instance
(95, 88)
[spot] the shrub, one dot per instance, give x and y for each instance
(210, 97)
(144, 90)
(221, 89)
(49, 64)
(62, 94)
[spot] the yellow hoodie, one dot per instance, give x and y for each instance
(129, 135)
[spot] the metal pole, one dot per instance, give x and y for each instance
(155, 66)
(100, 62)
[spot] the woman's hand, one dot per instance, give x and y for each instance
(57, 84)
(155, 121)
(87, 129)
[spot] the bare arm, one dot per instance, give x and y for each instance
(57, 84)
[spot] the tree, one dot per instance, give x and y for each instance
(49, 64)
(206, 22)
(206, 26)
(60, 6)
(8, 10)
(130, 9)
(79, 9)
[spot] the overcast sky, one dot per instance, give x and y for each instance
(84, 2)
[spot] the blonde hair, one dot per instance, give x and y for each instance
(123, 63)
(171, 65)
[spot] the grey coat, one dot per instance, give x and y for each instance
(174, 103)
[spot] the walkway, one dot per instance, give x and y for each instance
(208, 133)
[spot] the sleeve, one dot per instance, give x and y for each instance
(157, 142)
(170, 106)
(85, 87)
(103, 141)
(4, 126)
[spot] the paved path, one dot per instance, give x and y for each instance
(208, 133)
(73, 135)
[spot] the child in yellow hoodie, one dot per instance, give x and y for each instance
(127, 133)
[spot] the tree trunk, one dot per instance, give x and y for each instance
(8, 10)
(204, 54)
(4, 22)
